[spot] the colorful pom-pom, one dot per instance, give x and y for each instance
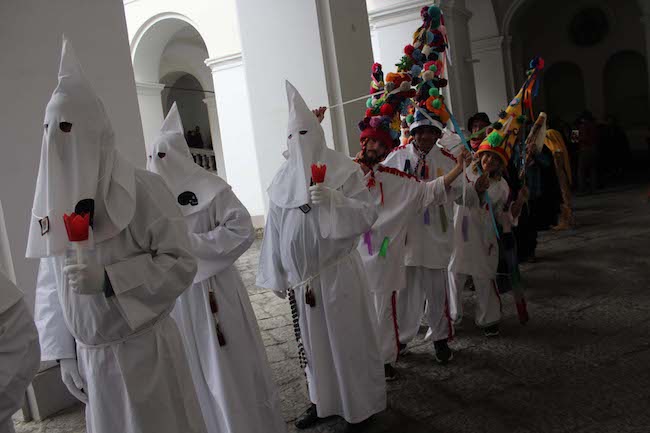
(437, 104)
(497, 126)
(369, 103)
(369, 112)
(409, 119)
(433, 68)
(434, 92)
(362, 125)
(521, 119)
(386, 110)
(434, 11)
(408, 50)
(375, 122)
(429, 37)
(502, 114)
(415, 71)
(494, 139)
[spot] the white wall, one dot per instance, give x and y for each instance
(489, 72)
(30, 43)
(291, 51)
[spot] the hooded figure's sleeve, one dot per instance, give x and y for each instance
(351, 210)
(147, 284)
(233, 234)
(54, 336)
(270, 272)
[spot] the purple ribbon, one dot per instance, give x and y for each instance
(367, 238)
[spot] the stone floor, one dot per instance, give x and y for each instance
(582, 364)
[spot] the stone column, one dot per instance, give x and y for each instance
(235, 125)
(462, 88)
(211, 103)
(151, 110)
(489, 74)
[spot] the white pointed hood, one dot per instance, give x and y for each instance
(170, 157)
(306, 146)
(9, 293)
(80, 167)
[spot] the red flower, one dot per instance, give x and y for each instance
(318, 172)
(77, 226)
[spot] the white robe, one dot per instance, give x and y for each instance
(233, 382)
(403, 196)
(429, 239)
(19, 351)
(129, 350)
(344, 372)
(476, 253)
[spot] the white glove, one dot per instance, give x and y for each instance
(320, 195)
(85, 279)
(72, 379)
(282, 294)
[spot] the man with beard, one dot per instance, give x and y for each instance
(309, 253)
(399, 197)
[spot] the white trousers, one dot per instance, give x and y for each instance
(488, 301)
(385, 306)
(423, 284)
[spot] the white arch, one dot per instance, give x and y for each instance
(155, 19)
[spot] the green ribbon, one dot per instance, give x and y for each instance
(384, 247)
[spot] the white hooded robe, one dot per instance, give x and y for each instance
(19, 349)
(317, 250)
(233, 382)
(128, 350)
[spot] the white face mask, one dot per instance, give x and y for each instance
(78, 165)
(305, 146)
(170, 157)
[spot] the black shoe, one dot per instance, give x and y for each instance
(491, 331)
(353, 428)
(308, 419)
(443, 353)
(390, 373)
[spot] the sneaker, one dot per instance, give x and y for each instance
(443, 353)
(491, 331)
(308, 419)
(390, 373)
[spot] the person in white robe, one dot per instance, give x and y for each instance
(476, 251)
(309, 251)
(102, 305)
(19, 348)
(428, 242)
(399, 196)
(222, 340)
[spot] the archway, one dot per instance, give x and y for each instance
(169, 57)
(187, 92)
(625, 80)
(564, 92)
